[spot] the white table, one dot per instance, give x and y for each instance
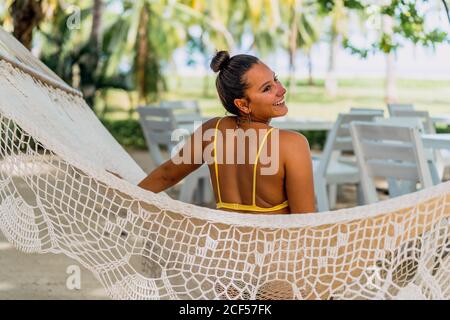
(436, 141)
(302, 124)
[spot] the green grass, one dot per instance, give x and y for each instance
(306, 101)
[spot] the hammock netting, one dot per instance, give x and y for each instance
(57, 194)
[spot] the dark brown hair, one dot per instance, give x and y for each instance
(230, 82)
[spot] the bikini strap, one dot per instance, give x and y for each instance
(256, 163)
(215, 161)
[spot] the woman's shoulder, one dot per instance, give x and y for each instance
(294, 147)
(290, 138)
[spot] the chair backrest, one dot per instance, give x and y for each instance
(424, 116)
(339, 138)
(404, 121)
(369, 110)
(393, 107)
(424, 124)
(412, 122)
(157, 125)
(389, 151)
(184, 111)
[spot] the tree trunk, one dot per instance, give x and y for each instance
(292, 50)
(391, 87)
(90, 61)
(206, 61)
(310, 68)
(26, 14)
(205, 85)
(331, 85)
(142, 54)
(390, 79)
(97, 11)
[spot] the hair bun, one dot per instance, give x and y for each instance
(220, 61)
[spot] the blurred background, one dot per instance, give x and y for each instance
(330, 54)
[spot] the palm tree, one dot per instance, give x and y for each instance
(212, 18)
(129, 40)
(262, 19)
(338, 17)
(145, 35)
(390, 81)
(26, 15)
(89, 60)
(302, 34)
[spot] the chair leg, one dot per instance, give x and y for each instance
(207, 190)
(203, 191)
(436, 173)
(199, 191)
(400, 187)
(393, 188)
(332, 195)
(187, 189)
(196, 189)
(321, 194)
(360, 195)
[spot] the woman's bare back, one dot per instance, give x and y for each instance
(236, 165)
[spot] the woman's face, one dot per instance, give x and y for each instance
(265, 94)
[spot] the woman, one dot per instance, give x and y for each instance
(253, 167)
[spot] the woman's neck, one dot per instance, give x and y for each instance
(249, 122)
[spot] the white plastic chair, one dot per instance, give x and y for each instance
(184, 111)
(157, 125)
(389, 151)
(330, 169)
(424, 116)
(369, 110)
(393, 107)
(442, 157)
(430, 154)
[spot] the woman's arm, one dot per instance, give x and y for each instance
(299, 174)
(167, 175)
(187, 160)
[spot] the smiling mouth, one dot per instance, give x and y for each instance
(279, 103)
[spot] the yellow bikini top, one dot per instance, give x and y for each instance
(237, 206)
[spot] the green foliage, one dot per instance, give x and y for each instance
(410, 25)
(127, 132)
(386, 43)
(361, 52)
(443, 129)
(316, 139)
(326, 6)
(354, 4)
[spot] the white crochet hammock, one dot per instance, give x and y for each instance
(57, 196)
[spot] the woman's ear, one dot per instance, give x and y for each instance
(242, 105)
